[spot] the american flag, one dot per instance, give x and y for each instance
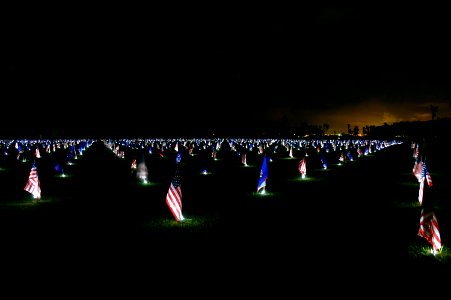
(33, 185)
(302, 166)
(174, 196)
(429, 229)
(421, 172)
(425, 174)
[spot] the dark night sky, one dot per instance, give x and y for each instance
(98, 69)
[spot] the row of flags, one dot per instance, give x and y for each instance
(428, 221)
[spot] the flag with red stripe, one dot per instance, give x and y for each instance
(33, 185)
(429, 229)
(174, 196)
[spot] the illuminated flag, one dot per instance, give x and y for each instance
(174, 196)
(178, 158)
(429, 229)
(323, 161)
(263, 175)
(133, 166)
(243, 159)
(417, 170)
(359, 152)
(416, 153)
(421, 191)
(37, 154)
(302, 167)
(421, 172)
(33, 185)
(425, 174)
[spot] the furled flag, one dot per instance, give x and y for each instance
(174, 196)
(420, 171)
(33, 185)
(243, 159)
(302, 167)
(323, 161)
(37, 154)
(417, 170)
(429, 229)
(263, 175)
(178, 158)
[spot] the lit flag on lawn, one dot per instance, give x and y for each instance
(178, 158)
(174, 196)
(37, 154)
(33, 185)
(323, 161)
(429, 229)
(422, 174)
(263, 175)
(302, 167)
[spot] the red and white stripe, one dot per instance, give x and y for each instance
(429, 229)
(421, 191)
(174, 201)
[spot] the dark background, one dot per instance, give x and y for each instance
(194, 69)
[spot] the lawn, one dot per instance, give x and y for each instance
(361, 216)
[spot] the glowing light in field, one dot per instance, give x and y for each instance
(204, 172)
(303, 176)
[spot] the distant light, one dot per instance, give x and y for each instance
(204, 172)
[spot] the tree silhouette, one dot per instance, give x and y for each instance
(434, 110)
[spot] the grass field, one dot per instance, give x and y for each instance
(361, 217)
